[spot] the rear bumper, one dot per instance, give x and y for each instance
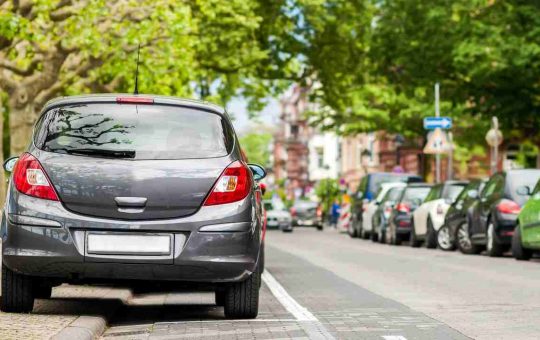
(504, 228)
(223, 254)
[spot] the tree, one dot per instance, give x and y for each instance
(327, 190)
(256, 147)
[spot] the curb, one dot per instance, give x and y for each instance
(83, 328)
(87, 327)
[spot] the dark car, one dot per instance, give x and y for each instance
(400, 220)
(494, 216)
(307, 213)
(383, 212)
(454, 232)
(367, 190)
(140, 190)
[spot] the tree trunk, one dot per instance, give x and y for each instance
(22, 117)
(2, 173)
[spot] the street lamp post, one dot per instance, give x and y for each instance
(494, 138)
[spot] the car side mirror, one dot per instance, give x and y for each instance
(9, 164)
(258, 171)
(523, 190)
(472, 193)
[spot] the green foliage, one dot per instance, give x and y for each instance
(327, 190)
(256, 146)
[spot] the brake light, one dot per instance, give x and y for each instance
(293, 211)
(403, 207)
(134, 100)
(30, 178)
(233, 185)
(508, 207)
(319, 211)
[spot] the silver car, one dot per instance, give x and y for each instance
(125, 189)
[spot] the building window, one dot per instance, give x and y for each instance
(320, 156)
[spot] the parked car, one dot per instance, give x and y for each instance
(400, 220)
(494, 216)
(429, 216)
(307, 213)
(454, 231)
(109, 191)
(382, 213)
(367, 191)
(367, 217)
(277, 216)
(526, 238)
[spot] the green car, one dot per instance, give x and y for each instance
(526, 238)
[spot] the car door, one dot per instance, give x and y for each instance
(530, 220)
(422, 212)
(492, 192)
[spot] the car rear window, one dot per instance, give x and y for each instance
(150, 131)
(520, 178)
(378, 179)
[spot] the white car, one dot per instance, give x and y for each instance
(277, 216)
(367, 215)
(429, 216)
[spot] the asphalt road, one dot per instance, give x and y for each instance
(323, 285)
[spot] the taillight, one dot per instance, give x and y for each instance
(233, 185)
(134, 100)
(319, 211)
(293, 211)
(403, 207)
(30, 178)
(508, 207)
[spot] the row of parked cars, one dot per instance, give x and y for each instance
(495, 215)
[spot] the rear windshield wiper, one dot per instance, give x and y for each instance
(103, 152)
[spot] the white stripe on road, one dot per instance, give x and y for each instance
(310, 324)
(394, 337)
(290, 304)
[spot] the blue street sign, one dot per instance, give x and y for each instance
(432, 123)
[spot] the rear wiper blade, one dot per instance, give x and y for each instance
(103, 152)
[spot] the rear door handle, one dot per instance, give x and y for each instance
(135, 202)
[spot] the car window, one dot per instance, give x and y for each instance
(377, 179)
(393, 195)
(415, 194)
(491, 186)
(536, 189)
(519, 179)
(465, 192)
(151, 131)
(452, 191)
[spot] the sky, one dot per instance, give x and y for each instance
(242, 124)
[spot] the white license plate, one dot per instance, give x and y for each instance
(118, 244)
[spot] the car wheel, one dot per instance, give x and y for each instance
(413, 240)
(431, 236)
(518, 251)
(464, 241)
(319, 227)
(382, 237)
(17, 292)
(351, 230)
(374, 237)
(444, 239)
(493, 247)
(242, 298)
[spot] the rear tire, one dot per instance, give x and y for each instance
(374, 237)
(17, 292)
(493, 247)
(242, 298)
(351, 230)
(42, 291)
(431, 236)
(220, 297)
(518, 251)
(319, 227)
(445, 241)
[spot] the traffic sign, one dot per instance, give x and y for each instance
(437, 143)
(431, 123)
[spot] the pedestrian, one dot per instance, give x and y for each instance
(336, 210)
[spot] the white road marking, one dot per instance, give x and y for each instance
(290, 304)
(309, 323)
(394, 337)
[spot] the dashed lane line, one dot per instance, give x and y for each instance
(394, 337)
(309, 323)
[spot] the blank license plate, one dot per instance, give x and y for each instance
(116, 244)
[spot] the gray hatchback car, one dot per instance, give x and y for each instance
(133, 190)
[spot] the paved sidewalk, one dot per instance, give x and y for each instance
(68, 303)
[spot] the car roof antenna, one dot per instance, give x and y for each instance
(136, 91)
